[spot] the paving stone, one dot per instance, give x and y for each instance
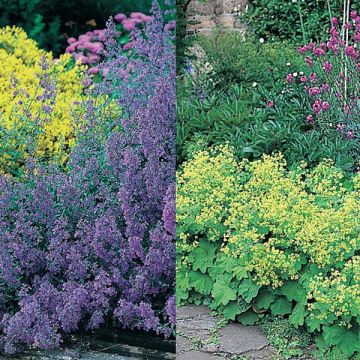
(183, 344)
(191, 311)
(196, 355)
(239, 339)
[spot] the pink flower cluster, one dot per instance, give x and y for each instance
(332, 80)
(88, 48)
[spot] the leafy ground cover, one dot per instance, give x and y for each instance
(81, 242)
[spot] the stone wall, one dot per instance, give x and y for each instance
(211, 13)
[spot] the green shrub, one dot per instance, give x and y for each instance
(235, 60)
(294, 20)
(257, 237)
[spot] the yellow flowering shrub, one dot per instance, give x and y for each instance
(259, 235)
(20, 108)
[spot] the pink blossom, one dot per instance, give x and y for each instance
(340, 127)
(269, 103)
(317, 106)
(303, 78)
(353, 14)
(309, 61)
(120, 17)
(71, 40)
(128, 46)
(350, 134)
(171, 25)
(290, 78)
(325, 106)
(318, 52)
(310, 119)
(314, 91)
(334, 21)
(313, 77)
(129, 24)
(327, 66)
(93, 70)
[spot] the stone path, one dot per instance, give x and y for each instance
(201, 336)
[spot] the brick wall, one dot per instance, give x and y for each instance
(211, 13)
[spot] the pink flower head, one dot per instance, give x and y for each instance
(129, 24)
(325, 87)
(128, 46)
(347, 26)
(269, 103)
(81, 58)
(310, 119)
(309, 61)
(325, 106)
(356, 36)
(313, 77)
(334, 21)
(120, 17)
(71, 40)
(171, 25)
(290, 78)
(314, 91)
(93, 59)
(317, 106)
(70, 49)
(93, 70)
(327, 66)
(340, 127)
(318, 52)
(303, 78)
(350, 135)
(353, 14)
(303, 49)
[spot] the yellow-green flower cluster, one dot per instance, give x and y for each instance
(276, 221)
(338, 293)
(20, 60)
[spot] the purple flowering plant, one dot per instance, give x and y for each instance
(93, 245)
(331, 82)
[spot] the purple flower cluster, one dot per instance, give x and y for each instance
(95, 244)
(333, 77)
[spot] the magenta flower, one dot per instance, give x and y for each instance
(325, 106)
(334, 21)
(71, 40)
(290, 78)
(309, 61)
(129, 24)
(327, 67)
(313, 77)
(269, 103)
(350, 135)
(314, 91)
(318, 52)
(317, 106)
(93, 70)
(303, 78)
(120, 17)
(310, 119)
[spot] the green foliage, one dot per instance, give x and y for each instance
(227, 102)
(240, 117)
(288, 246)
(288, 341)
(297, 21)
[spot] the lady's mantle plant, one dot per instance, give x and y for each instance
(255, 238)
(94, 245)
